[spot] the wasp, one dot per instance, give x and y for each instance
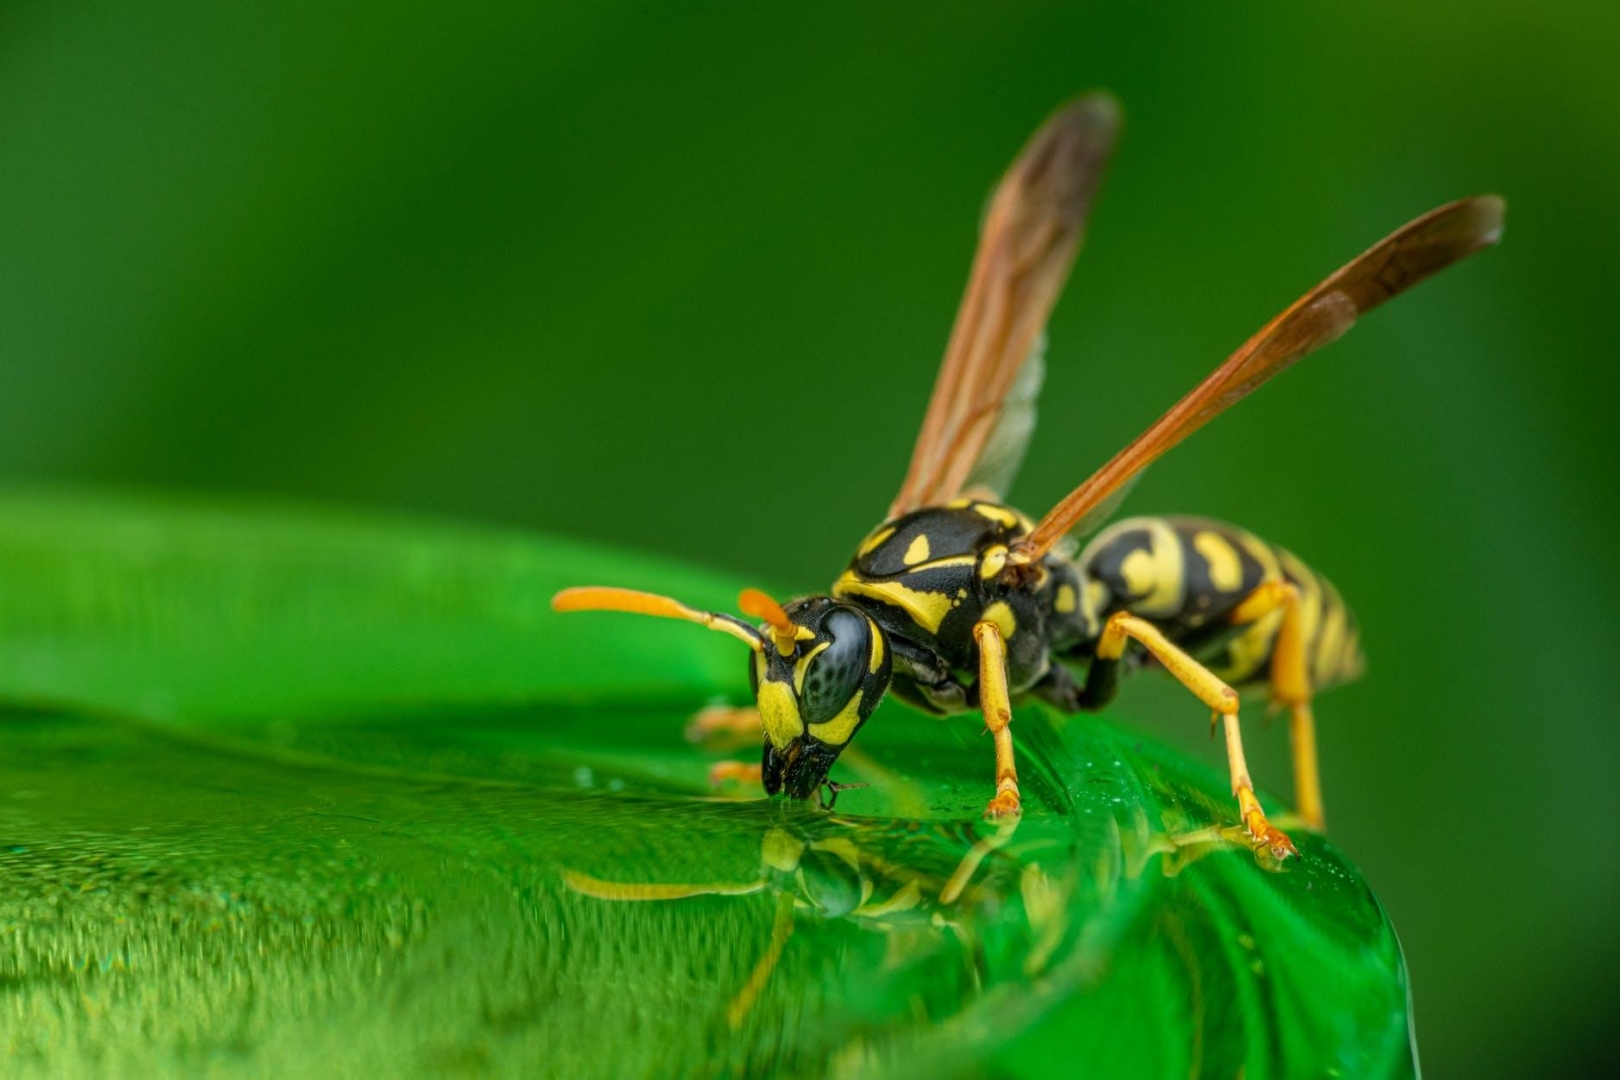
(959, 603)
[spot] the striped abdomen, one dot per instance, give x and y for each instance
(1187, 574)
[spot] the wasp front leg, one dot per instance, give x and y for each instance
(997, 708)
(1123, 627)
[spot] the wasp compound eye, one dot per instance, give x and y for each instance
(834, 674)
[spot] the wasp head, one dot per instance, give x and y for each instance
(818, 668)
(823, 671)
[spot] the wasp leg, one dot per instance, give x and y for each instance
(933, 685)
(781, 929)
(1291, 686)
(1124, 626)
(971, 861)
(741, 771)
(724, 724)
(586, 885)
(1102, 683)
(997, 709)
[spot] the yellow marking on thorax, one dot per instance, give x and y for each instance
(1002, 615)
(875, 541)
(999, 514)
(927, 610)
(918, 551)
(1066, 600)
(994, 559)
(1225, 568)
(836, 732)
(878, 647)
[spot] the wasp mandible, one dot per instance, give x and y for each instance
(958, 603)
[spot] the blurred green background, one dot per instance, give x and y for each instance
(577, 268)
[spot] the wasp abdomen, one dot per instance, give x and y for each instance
(1187, 575)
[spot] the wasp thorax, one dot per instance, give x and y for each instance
(814, 696)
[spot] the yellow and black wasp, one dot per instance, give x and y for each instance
(960, 603)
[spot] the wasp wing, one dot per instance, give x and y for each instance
(1420, 248)
(981, 413)
(997, 465)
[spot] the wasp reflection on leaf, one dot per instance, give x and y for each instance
(922, 883)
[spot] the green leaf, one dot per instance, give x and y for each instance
(288, 793)
(169, 610)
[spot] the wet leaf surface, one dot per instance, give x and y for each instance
(285, 793)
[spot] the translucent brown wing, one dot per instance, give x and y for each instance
(1026, 246)
(1393, 265)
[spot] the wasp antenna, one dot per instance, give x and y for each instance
(757, 604)
(606, 598)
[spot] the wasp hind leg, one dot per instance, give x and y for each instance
(1123, 627)
(1291, 686)
(996, 705)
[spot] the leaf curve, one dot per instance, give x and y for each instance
(367, 776)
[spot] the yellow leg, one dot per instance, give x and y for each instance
(740, 771)
(586, 885)
(781, 930)
(1222, 699)
(1307, 774)
(997, 708)
(723, 724)
(1291, 686)
(972, 860)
